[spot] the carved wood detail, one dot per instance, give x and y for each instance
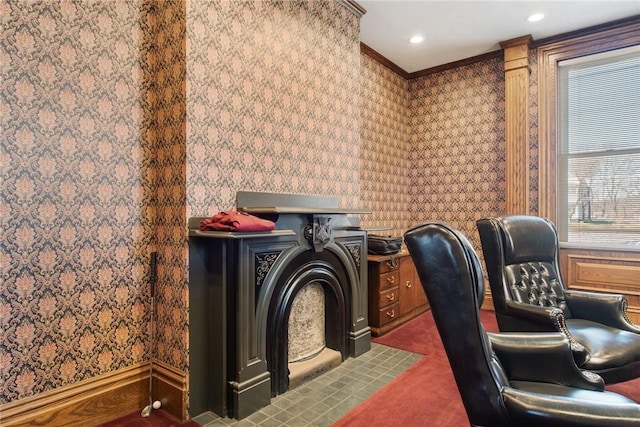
(264, 262)
(355, 250)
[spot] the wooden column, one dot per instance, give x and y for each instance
(516, 82)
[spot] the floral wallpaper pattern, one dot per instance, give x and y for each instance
(273, 101)
(123, 118)
(384, 165)
(457, 146)
(75, 222)
(433, 147)
(165, 64)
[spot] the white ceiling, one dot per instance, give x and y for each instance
(456, 29)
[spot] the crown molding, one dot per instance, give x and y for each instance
(353, 7)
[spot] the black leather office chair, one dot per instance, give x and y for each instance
(521, 256)
(505, 379)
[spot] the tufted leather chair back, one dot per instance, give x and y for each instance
(451, 275)
(521, 254)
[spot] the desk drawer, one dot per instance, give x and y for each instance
(392, 264)
(387, 297)
(389, 280)
(389, 313)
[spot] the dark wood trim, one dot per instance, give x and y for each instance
(456, 64)
(433, 70)
(587, 31)
(383, 61)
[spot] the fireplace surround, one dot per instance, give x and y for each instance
(242, 286)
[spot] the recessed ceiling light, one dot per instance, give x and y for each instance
(416, 39)
(536, 17)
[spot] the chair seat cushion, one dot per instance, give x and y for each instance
(609, 347)
(533, 404)
(570, 392)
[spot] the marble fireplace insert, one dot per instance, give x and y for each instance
(244, 287)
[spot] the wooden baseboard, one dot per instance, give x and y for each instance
(100, 399)
(170, 387)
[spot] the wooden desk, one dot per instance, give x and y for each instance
(395, 293)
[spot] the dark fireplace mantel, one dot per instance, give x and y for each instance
(240, 291)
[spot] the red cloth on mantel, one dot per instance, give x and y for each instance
(236, 221)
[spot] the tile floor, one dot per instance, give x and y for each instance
(327, 398)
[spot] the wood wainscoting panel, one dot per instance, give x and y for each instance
(591, 271)
(100, 399)
(604, 271)
(86, 403)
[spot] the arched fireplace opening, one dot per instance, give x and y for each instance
(243, 285)
(326, 270)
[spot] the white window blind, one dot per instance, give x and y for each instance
(598, 164)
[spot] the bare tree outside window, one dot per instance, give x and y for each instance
(599, 149)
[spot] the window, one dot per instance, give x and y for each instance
(598, 149)
(587, 154)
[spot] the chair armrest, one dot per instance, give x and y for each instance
(546, 318)
(534, 409)
(608, 309)
(542, 357)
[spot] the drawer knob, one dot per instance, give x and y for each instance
(391, 313)
(391, 279)
(408, 284)
(391, 296)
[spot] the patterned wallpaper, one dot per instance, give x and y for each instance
(384, 164)
(457, 146)
(76, 219)
(273, 101)
(442, 137)
(121, 120)
(166, 62)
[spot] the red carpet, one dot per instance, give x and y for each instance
(419, 336)
(157, 419)
(426, 393)
(423, 395)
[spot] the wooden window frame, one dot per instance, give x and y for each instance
(584, 268)
(620, 36)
